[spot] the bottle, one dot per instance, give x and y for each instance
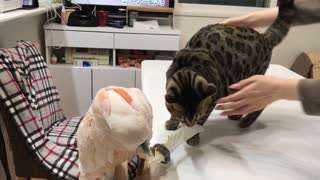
(53, 59)
(63, 16)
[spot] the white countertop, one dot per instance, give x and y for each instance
(165, 30)
(22, 13)
(284, 143)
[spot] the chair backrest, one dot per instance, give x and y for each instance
(33, 85)
(33, 105)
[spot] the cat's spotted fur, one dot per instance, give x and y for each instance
(216, 57)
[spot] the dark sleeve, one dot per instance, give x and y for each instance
(309, 92)
(307, 12)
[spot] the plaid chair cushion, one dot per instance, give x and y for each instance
(32, 100)
(27, 90)
(45, 94)
(64, 133)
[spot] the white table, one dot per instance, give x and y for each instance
(284, 144)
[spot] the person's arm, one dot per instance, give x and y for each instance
(309, 92)
(256, 92)
(307, 12)
(254, 20)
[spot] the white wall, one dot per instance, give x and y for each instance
(300, 39)
(30, 28)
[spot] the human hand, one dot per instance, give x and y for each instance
(256, 92)
(255, 19)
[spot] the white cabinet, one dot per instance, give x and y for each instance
(79, 39)
(102, 77)
(164, 39)
(74, 86)
(77, 85)
(147, 42)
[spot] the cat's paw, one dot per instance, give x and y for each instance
(171, 125)
(195, 140)
(164, 151)
(235, 117)
(246, 122)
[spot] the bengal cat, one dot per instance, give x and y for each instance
(214, 58)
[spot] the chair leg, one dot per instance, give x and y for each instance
(3, 174)
(22, 178)
(3, 157)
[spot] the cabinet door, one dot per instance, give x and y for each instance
(138, 79)
(103, 77)
(74, 85)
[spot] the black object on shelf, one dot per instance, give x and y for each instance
(82, 18)
(30, 4)
(116, 23)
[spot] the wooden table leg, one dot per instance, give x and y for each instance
(22, 178)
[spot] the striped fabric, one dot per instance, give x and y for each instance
(28, 92)
(133, 167)
(64, 133)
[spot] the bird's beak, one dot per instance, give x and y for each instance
(144, 147)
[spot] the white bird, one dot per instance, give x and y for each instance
(118, 121)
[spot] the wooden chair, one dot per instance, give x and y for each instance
(13, 147)
(36, 139)
(35, 135)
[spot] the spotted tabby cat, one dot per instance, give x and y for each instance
(216, 57)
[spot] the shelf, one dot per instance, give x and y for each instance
(22, 13)
(117, 67)
(150, 9)
(93, 67)
(212, 11)
(164, 30)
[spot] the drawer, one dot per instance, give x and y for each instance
(79, 39)
(147, 42)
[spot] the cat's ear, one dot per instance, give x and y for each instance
(170, 98)
(210, 90)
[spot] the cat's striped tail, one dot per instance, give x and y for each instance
(279, 29)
